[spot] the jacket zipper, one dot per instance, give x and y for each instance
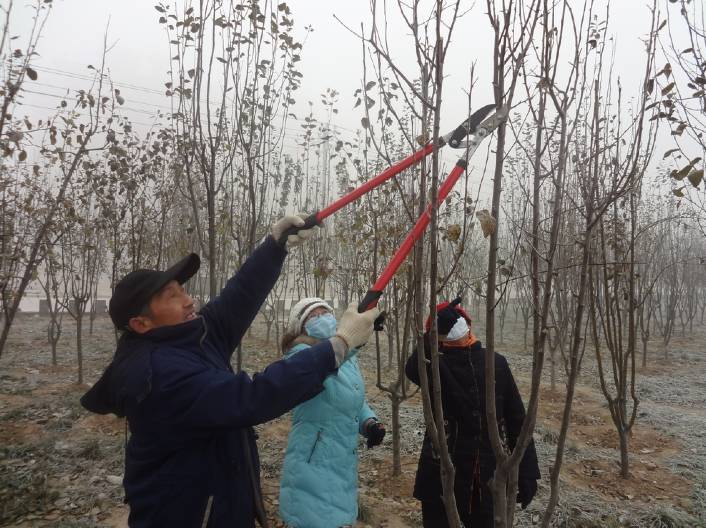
(313, 448)
(207, 513)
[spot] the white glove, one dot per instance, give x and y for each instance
(284, 223)
(356, 328)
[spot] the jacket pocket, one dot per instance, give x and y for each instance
(176, 503)
(313, 448)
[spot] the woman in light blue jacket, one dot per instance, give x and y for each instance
(319, 487)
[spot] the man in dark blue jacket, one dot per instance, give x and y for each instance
(192, 459)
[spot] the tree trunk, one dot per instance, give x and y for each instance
(94, 300)
(498, 487)
(644, 350)
(53, 334)
(552, 367)
(79, 341)
(390, 348)
(575, 362)
(268, 324)
(623, 436)
(212, 283)
(396, 459)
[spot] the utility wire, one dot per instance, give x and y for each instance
(144, 89)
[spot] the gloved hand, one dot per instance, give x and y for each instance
(446, 319)
(526, 490)
(374, 432)
(356, 328)
(284, 223)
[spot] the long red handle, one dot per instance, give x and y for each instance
(371, 184)
(453, 138)
(373, 295)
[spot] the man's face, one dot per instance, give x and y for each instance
(168, 307)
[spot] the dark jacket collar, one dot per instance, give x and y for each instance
(184, 334)
(128, 378)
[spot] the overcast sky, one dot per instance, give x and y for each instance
(139, 56)
(139, 59)
(331, 58)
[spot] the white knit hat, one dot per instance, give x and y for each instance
(300, 311)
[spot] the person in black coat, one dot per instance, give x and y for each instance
(462, 374)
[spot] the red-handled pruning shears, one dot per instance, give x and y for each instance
(476, 127)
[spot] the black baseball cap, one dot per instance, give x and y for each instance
(134, 291)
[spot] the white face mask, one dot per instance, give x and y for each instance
(459, 330)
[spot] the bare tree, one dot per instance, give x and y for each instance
(82, 252)
(70, 134)
(233, 77)
(513, 26)
(681, 88)
(55, 297)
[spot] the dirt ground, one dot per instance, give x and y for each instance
(62, 467)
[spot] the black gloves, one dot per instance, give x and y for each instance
(526, 489)
(375, 432)
(446, 319)
(379, 322)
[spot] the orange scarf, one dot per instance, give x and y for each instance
(462, 342)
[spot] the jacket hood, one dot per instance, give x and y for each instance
(127, 380)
